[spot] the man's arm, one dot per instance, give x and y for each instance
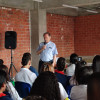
(54, 60)
(39, 51)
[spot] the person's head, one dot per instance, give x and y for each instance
(26, 59)
(78, 66)
(61, 64)
(47, 37)
(83, 75)
(96, 64)
(35, 98)
(5, 68)
(47, 67)
(73, 58)
(1, 62)
(47, 86)
(93, 88)
(3, 76)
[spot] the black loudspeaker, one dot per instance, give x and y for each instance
(10, 39)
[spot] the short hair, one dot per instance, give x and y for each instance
(47, 86)
(35, 98)
(61, 64)
(46, 67)
(83, 75)
(47, 33)
(94, 81)
(1, 62)
(73, 58)
(2, 78)
(26, 58)
(96, 64)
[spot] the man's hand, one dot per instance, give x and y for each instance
(44, 47)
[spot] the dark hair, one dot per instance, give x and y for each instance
(1, 62)
(47, 86)
(61, 64)
(96, 64)
(26, 58)
(73, 58)
(47, 33)
(5, 68)
(83, 75)
(35, 98)
(2, 77)
(77, 67)
(93, 88)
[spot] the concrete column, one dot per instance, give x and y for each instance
(38, 27)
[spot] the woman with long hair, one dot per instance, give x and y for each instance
(47, 86)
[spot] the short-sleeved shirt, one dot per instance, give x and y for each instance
(63, 93)
(26, 76)
(70, 70)
(79, 92)
(50, 51)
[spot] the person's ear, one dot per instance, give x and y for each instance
(30, 62)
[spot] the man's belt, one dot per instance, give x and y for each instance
(51, 61)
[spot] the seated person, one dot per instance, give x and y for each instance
(25, 77)
(93, 88)
(10, 88)
(3, 76)
(71, 68)
(79, 92)
(61, 77)
(72, 80)
(49, 67)
(96, 64)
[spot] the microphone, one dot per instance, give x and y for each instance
(45, 43)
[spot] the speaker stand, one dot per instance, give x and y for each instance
(11, 67)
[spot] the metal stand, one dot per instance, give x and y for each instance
(11, 67)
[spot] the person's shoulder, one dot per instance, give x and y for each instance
(52, 42)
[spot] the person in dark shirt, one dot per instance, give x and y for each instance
(59, 72)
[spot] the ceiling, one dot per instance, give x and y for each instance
(55, 6)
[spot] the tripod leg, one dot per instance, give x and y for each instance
(14, 67)
(11, 71)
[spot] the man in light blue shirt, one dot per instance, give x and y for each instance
(47, 51)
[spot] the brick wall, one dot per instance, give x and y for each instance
(62, 30)
(87, 35)
(17, 20)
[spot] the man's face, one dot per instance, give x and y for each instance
(47, 38)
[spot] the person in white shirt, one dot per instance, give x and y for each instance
(25, 77)
(71, 68)
(79, 92)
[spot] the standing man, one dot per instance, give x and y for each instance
(47, 51)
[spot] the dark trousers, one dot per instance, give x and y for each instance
(41, 63)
